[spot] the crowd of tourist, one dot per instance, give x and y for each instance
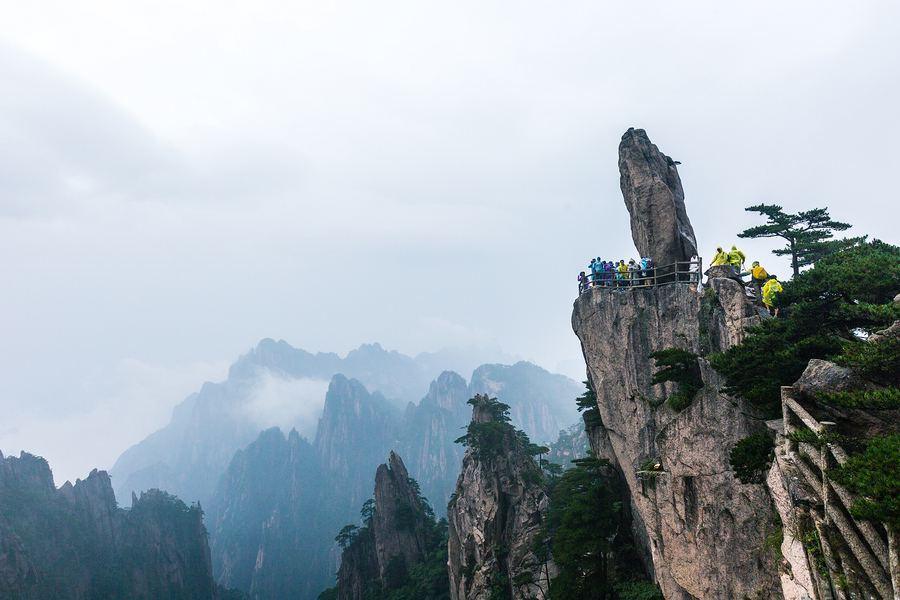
(609, 273)
(619, 274)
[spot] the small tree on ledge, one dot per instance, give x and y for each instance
(808, 233)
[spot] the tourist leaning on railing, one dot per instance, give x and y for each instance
(643, 273)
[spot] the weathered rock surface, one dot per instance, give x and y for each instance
(788, 490)
(703, 530)
(397, 538)
(825, 376)
(696, 513)
(75, 543)
(494, 518)
(655, 200)
(399, 526)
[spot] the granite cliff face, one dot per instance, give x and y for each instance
(494, 518)
(397, 538)
(702, 531)
(655, 200)
(73, 542)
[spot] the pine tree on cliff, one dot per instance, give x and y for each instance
(590, 538)
(808, 233)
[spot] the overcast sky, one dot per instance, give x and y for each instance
(180, 179)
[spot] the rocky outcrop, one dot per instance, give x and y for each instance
(400, 524)
(541, 403)
(280, 502)
(495, 517)
(655, 200)
(825, 376)
(690, 513)
(397, 538)
(75, 543)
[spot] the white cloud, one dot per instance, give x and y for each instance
(179, 180)
(286, 403)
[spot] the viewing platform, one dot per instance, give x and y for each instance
(675, 273)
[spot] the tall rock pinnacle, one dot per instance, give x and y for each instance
(701, 531)
(652, 189)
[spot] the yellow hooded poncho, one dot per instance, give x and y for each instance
(770, 290)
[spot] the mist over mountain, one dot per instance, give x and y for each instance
(275, 384)
(283, 497)
(540, 402)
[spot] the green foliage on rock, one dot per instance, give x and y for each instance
(346, 535)
(874, 361)
(681, 367)
(587, 405)
(824, 311)
(877, 399)
(638, 590)
(427, 580)
(874, 476)
(486, 437)
(751, 457)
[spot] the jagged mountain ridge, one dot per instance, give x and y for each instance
(355, 430)
(283, 498)
(187, 456)
(74, 542)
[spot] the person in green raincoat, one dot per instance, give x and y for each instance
(736, 258)
(720, 258)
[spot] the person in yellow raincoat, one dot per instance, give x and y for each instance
(736, 258)
(720, 258)
(758, 277)
(769, 292)
(622, 273)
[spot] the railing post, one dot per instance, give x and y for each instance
(790, 446)
(893, 544)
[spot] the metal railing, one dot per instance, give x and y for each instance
(868, 541)
(678, 272)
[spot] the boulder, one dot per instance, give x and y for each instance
(825, 376)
